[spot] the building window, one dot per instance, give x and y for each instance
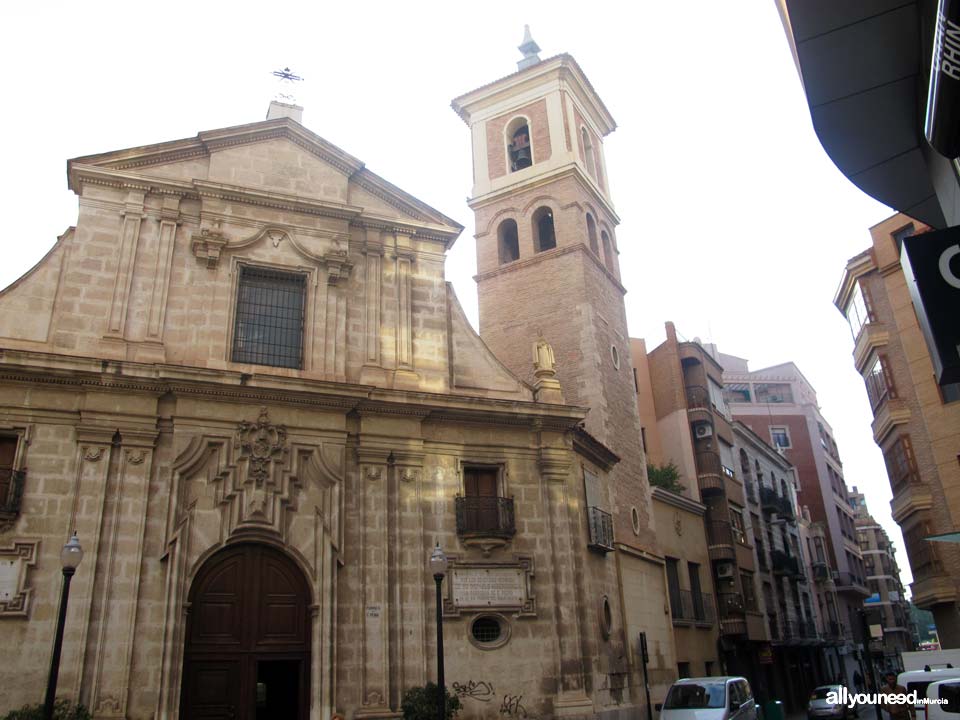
(508, 241)
(737, 392)
(519, 149)
(683, 670)
(269, 323)
(592, 234)
(544, 235)
(780, 437)
(859, 310)
(749, 592)
(879, 381)
(923, 555)
(589, 159)
(11, 479)
(489, 631)
(773, 393)
(736, 520)
(901, 464)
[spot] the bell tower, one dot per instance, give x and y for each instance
(547, 262)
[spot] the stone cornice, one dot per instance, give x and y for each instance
(678, 501)
(100, 375)
(559, 67)
(571, 169)
(547, 255)
(589, 447)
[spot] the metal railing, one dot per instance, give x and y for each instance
(730, 604)
(849, 580)
(10, 505)
(600, 524)
(485, 516)
(785, 564)
(821, 571)
(770, 501)
(698, 397)
(694, 607)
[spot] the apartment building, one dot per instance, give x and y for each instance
(679, 512)
(784, 577)
(686, 421)
(916, 422)
(780, 405)
(887, 605)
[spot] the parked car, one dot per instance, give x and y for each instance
(820, 707)
(709, 698)
(949, 692)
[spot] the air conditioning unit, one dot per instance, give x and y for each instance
(725, 570)
(702, 430)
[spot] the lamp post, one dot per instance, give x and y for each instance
(70, 558)
(438, 565)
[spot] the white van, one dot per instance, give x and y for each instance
(710, 698)
(920, 680)
(949, 692)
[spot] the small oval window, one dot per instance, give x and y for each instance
(489, 631)
(615, 354)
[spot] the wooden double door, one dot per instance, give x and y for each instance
(247, 654)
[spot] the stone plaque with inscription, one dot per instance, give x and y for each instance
(475, 587)
(9, 578)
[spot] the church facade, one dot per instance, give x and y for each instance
(242, 379)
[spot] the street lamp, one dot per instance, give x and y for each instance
(438, 565)
(70, 558)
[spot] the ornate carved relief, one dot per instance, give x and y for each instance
(208, 245)
(93, 454)
(262, 444)
(16, 560)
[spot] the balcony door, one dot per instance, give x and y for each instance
(247, 654)
(482, 482)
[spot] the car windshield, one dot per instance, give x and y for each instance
(695, 696)
(821, 692)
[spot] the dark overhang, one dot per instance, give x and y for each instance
(864, 66)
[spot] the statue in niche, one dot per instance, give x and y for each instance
(544, 364)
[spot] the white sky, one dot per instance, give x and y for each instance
(735, 224)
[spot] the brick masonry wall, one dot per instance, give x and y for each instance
(536, 114)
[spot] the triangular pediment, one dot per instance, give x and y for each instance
(277, 156)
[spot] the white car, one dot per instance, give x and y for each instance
(820, 707)
(947, 691)
(709, 698)
(921, 680)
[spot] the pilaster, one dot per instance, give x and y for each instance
(126, 257)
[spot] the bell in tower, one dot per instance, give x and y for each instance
(520, 149)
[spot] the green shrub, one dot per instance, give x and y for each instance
(62, 710)
(420, 703)
(665, 476)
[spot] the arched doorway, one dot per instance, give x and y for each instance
(247, 654)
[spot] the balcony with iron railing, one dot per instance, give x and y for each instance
(771, 502)
(691, 607)
(849, 583)
(10, 504)
(485, 517)
(731, 605)
(600, 526)
(785, 564)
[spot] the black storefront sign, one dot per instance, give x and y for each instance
(931, 265)
(943, 95)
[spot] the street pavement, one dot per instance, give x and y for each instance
(864, 712)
